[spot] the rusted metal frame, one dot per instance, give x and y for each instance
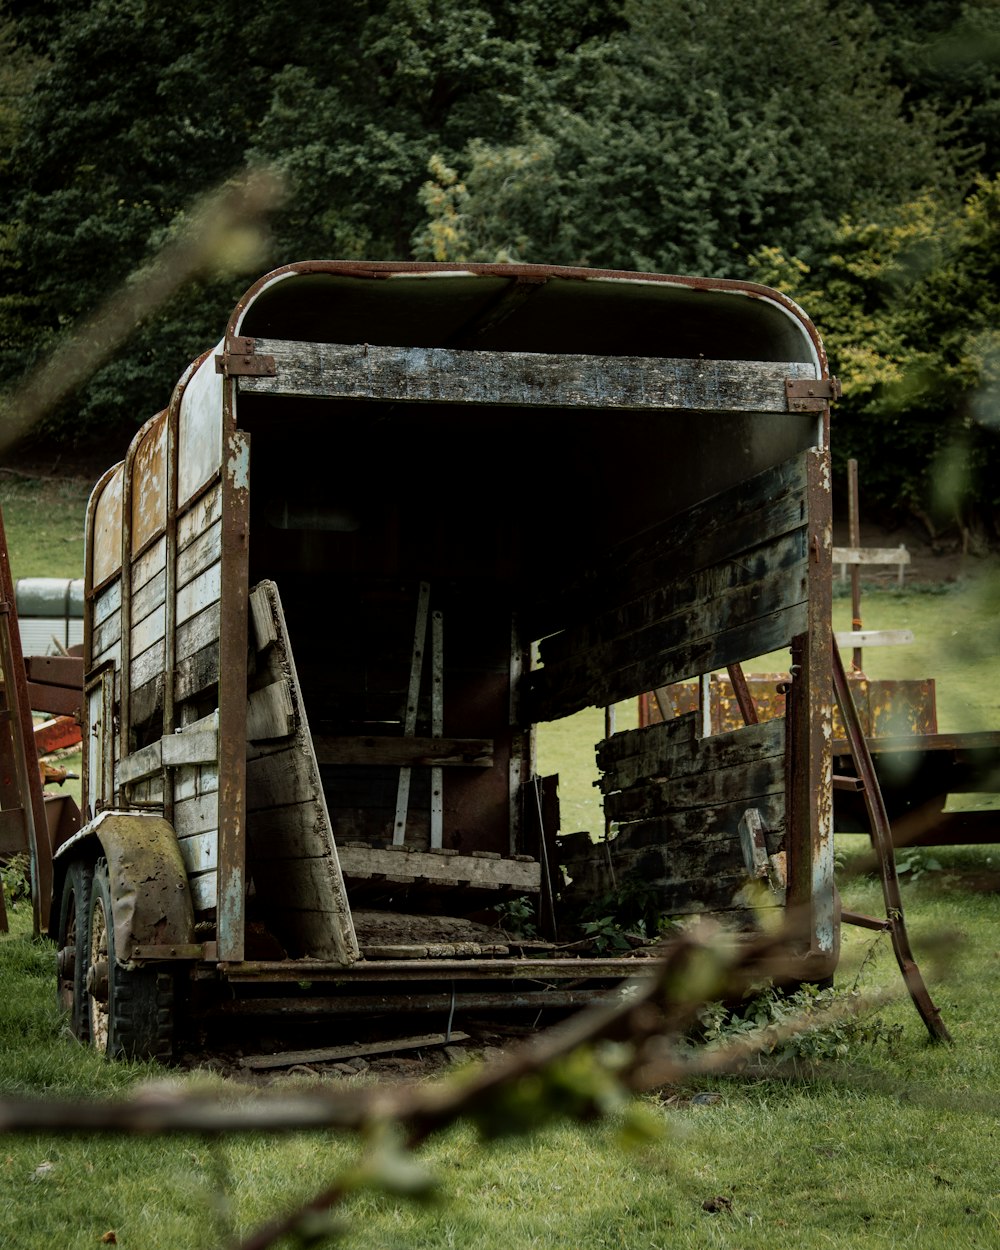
(430, 969)
(90, 592)
(375, 1004)
(522, 744)
(126, 737)
(28, 781)
(854, 538)
(383, 270)
(233, 628)
(172, 456)
(410, 711)
(437, 726)
(882, 841)
(742, 692)
(809, 789)
(808, 395)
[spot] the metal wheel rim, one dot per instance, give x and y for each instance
(98, 955)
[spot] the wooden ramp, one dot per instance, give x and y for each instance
(293, 857)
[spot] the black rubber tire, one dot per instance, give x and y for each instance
(130, 1011)
(71, 939)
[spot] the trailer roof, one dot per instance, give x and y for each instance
(527, 308)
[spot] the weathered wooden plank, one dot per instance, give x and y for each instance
(274, 780)
(195, 744)
(871, 555)
(105, 635)
(291, 831)
(286, 778)
(535, 379)
(198, 632)
(630, 670)
(147, 790)
(201, 516)
(200, 851)
(196, 673)
(141, 763)
(147, 666)
(199, 555)
(112, 654)
(204, 890)
(200, 593)
(152, 560)
(668, 755)
(874, 637)
(712, 789)
(721, 527)
(147, 632)
(778, 565)
(358, 861)
(191, 780)
(700, 825)
(263, 628)
(405, 751)
(270, 712)
(197, 815)
(301, 886)
(149, 597)
(629, 742)
(328, 1054)
(109, 600)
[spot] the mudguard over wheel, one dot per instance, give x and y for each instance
(129, 1011)
(72, 942)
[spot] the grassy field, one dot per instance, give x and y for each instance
(897, 1146)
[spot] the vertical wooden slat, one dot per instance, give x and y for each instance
(233, 694)
(810, 822)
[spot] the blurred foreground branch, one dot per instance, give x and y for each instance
(224, 234)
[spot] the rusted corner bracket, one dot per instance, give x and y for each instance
(812, 394)
(240, 360)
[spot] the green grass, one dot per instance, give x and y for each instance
(43, 519)
(900, 1149)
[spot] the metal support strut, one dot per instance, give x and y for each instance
(867, 781)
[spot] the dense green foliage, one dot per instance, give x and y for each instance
(674, 135)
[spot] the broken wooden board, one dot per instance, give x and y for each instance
(477, 871)
(355, 1050)
(298, 881)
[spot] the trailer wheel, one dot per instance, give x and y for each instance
(129, 1010)
(71, 938)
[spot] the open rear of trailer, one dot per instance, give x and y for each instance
(402, 516)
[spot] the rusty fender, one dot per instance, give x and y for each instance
(151, 900)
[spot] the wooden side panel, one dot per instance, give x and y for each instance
(723, 582)
(678, 801)
(293, 859)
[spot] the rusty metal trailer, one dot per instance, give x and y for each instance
(309, 811)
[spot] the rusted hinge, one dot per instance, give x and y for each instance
(811, 394)
(240, 360)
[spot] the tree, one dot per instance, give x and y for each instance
(909, 307)
(691, 138)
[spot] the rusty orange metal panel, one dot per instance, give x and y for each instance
(149, 490)
(106, 539)
(887, 708)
